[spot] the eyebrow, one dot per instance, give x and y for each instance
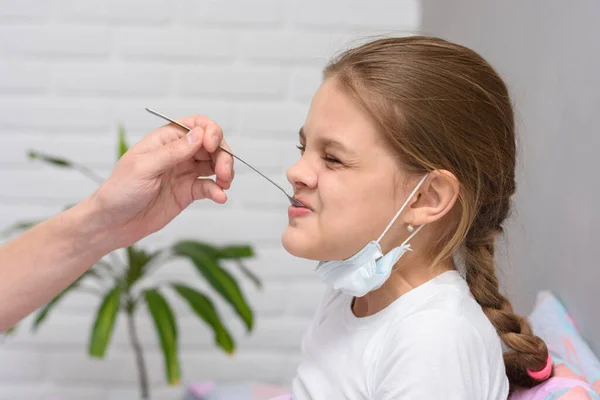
(325, 142)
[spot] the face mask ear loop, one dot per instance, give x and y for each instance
(402, 209)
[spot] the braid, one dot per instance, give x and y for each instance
(527, 351)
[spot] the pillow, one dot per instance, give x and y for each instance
(576, 367)
(244, 390)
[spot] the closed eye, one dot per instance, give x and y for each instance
(331, 160)
(327, 158)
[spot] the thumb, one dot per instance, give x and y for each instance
(175, 152)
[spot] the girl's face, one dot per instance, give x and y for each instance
(348, 178)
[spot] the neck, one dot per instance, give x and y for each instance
(408, 273)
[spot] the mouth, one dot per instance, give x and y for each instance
(296, 212)
(304, 202)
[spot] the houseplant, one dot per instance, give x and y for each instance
(118, 284)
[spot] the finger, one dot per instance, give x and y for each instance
(213, 137)
(157, 138)
(223, 166)
(170, 132)
(196, 120)
(224, 170)
(202, 155)
(171, 154)
(198, 169)
(225, 185)
(208, 189)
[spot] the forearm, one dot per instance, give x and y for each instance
(39, 264)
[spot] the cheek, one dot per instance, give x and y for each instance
(323, 235)
(353, 213)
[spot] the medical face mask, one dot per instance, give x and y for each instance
(368, 269)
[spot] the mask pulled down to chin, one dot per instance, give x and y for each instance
(368, 269)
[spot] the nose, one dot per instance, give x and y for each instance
(300, 175)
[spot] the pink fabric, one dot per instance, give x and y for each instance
(201, 389)
(266, 391)
(546, 389)
(246, 390)
(576, 368)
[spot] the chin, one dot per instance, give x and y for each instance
(300, 243)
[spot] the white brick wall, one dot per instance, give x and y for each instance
(71, 70)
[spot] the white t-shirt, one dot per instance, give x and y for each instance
(433, 342)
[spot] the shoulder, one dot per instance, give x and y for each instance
(430, 354)
(448, 313)
(436, 332)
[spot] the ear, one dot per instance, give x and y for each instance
(434, 199)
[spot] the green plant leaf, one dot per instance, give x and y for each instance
(249, 274)
(237, 252)
(59, 162)
(137, 260)
(122, 142)
(229, 252)
(43, 313)
(205, 309)
(105, 322)
(91, 272)
(221, 280)
(164, 321)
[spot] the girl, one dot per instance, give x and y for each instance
(408, 160)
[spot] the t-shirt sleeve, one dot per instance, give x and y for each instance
(432, 355)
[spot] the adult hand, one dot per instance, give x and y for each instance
(159, 177)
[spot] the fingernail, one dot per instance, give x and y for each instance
(215, 139)
(192, 136)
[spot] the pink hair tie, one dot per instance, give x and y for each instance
(543, 373)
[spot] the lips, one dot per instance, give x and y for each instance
(305, 202)
(297, 212)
